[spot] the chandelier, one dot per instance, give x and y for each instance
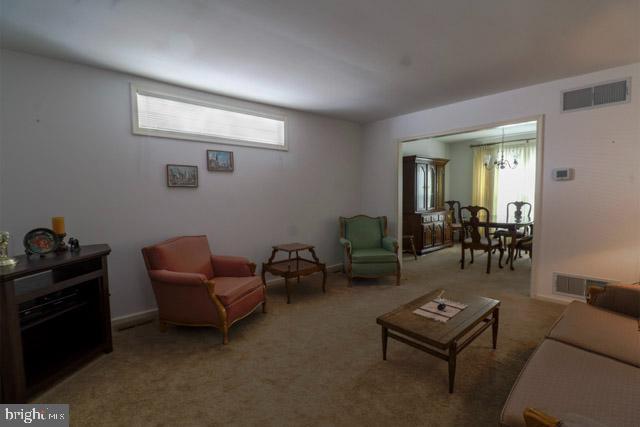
(502, 163)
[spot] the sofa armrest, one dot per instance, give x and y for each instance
(346, 243)
(232, 266)
(177, 278)
(536, 418)
(390, 243)
(623, 299)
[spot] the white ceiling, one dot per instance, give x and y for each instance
(360, 60)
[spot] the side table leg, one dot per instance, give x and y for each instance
(453, 349)
(494, 327)
(286, 285)
(384, 343)
(324, 279)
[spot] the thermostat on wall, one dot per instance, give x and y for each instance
(563, 174)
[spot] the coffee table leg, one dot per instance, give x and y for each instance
(453, 349)
(384, 343)
(496, 318)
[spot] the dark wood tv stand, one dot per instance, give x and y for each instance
(54, 317)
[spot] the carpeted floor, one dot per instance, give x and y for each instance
(317, 361)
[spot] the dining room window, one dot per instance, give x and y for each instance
(495, 187)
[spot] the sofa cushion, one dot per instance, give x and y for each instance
(364, 232)
(561, 380)
(600, 331)
(231, 289)
(373, 255)
(189, 254)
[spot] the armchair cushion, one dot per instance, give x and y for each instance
(389, 243)
(364, 232)
(177, 278)
(373, 255)
(183, 254)
(231, 266)
(231, 289)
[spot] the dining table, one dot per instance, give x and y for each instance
(499, 222)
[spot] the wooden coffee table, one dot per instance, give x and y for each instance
(294, 266)
(442, 340)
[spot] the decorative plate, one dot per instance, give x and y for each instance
(40, 241)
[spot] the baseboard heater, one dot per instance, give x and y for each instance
(576, 286)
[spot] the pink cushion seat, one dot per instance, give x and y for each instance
(231, 289)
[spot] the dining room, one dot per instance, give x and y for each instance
(473, 193)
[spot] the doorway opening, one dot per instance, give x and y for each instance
(491, 166)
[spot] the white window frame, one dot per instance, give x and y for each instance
(179, 96)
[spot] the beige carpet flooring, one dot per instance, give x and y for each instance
(316, 361)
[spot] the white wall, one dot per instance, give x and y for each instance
(461, 171)
(68, 150)
(588, 226)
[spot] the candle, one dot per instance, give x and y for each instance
(57, 223)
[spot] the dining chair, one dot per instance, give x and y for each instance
(456, 223)
(518, 213)
(474, 239)
(525, 244)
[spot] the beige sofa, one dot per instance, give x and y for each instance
(587, 370)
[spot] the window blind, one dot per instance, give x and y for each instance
(189, 118)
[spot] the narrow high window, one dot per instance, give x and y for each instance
(169, 116)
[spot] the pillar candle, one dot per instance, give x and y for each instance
(57, 223)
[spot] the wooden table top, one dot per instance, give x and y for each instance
(35, 263)
(293, 247)
(435, 333)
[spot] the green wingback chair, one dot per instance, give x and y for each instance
(369, 251)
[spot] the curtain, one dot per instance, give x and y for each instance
(517, 184)
(484, 180)
(493, 188)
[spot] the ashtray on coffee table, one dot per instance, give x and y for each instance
(294, 266)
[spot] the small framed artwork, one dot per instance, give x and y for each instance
(182, 176)
(220, 161)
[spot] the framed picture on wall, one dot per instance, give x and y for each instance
(220, 161)
(182, 176)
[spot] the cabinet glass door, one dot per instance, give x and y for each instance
(431, 187)
(421, 187)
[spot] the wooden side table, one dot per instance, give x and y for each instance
(294, 266)
(412, 246)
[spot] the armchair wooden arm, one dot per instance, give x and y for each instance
(536, 418)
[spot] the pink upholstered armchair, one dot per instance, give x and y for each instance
(195, 288)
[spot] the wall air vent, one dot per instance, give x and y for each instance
(597, 96)
(575, 286)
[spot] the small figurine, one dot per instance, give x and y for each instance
(5, 259)
(74, 245)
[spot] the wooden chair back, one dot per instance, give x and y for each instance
(518, 213)
(472, 220)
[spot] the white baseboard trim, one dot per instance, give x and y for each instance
(134, 319)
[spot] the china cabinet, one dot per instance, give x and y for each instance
(424, 215)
